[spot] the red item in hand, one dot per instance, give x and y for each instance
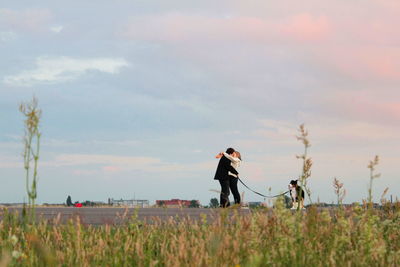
(78, 205)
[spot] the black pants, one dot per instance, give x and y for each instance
(224, 196)
(233, 181)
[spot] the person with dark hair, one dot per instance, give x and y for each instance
(222, 175)
(297, 197)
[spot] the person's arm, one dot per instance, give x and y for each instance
(231, 158)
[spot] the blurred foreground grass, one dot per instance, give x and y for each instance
(275, 237)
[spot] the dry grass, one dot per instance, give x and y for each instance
(273, 237)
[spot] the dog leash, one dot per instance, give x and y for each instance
(260, 193)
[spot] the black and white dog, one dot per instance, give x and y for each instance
(294, 190)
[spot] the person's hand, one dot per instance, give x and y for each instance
(219, 155)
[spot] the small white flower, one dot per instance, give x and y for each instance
(16, 254)
(14, 239)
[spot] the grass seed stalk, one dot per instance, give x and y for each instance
(31, 143)
(372, 167)
(307, 162)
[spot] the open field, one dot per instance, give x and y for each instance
(272, 237)
(116, 216)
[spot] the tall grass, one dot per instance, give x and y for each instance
(340, 192)
(271, 237)
(372, 168)
(307, 163)
(31, 142)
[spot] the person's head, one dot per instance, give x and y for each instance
(230, 151)
(293, 183)
(237, 155)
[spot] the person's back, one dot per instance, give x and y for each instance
(223, 169)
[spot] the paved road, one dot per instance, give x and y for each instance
(99, 216)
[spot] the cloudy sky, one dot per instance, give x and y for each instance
(139, 96)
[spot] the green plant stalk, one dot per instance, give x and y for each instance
(303, 177)
(370, 188)
(32, 193)
(27, 153)
(34, 182)
(338, 201)
(371, 166)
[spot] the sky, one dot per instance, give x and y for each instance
(138, 97)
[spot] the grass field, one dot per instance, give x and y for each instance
(357, 236)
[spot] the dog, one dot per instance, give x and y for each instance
(294, 190)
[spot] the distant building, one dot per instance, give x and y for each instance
(175, 203)
(12, 204)
(136, 203)
(89, 203)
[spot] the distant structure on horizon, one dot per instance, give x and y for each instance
(135, 203)
(176, 203)
(12, 204)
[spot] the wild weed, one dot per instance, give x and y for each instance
(372, 167)
(307, 162)
(340, 192)
(31, 141)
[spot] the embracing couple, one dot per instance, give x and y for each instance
(228, 175)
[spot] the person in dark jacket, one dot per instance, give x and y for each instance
(222, 174)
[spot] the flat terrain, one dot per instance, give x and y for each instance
(99, 216)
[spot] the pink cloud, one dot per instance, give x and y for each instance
(175, 27)
(30, 20)
(83, 172)
(384, 62)
(369, 106)
(306, 27)
(358, 44)
(111, 169)
(363, 63)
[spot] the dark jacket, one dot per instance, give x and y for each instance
(298, 188)
(224, 166)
